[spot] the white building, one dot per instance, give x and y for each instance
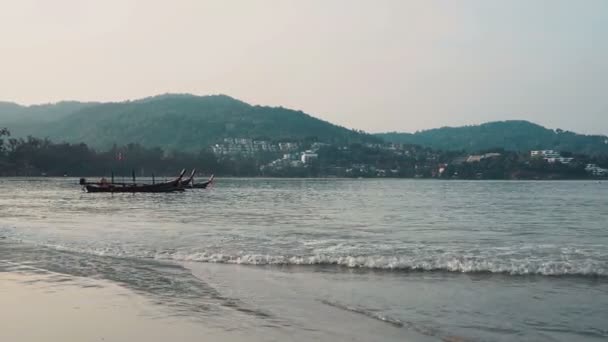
(474, 158)
(478, 158)
(561, 160)
(545, 154)
(551, 156)
(596, 170)
(308, 156)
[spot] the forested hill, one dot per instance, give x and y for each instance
(186, 122)
(509, 135)
(191, 123)
(14, 113)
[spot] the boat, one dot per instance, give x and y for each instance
(188, 181)
(171, 186)
(114, 188)
(202, 185)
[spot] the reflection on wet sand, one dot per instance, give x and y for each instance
(53, 307)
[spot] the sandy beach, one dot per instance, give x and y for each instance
(55, 308)
(42, 306)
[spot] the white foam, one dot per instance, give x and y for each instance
(585, 267)
(526, 260)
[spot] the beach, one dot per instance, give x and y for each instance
(305, 260)
(51, 307)
(44, 306)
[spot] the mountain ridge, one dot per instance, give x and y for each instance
(185, 122)
(190, 122)
(513, 135)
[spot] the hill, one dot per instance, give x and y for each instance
(508, 135)
(184, 122)
(24, 120)
(14, 113)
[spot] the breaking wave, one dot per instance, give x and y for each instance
(438, 263)
(583, 264)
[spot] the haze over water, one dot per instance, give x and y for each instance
(335, 259)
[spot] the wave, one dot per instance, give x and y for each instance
(437, 263)
(376, 315)
(365, 312)
(528, 263)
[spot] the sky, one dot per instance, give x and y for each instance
(382, 65)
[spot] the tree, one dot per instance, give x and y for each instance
(4, 132)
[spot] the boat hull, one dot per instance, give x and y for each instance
(200, 185)
(172, 186)
(132, 188)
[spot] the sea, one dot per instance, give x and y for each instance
(334, 259)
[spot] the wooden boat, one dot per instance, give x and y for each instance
(188, 181)
(202, 185)
(171, 186)
(132, 188)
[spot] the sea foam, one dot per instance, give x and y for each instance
(531, 266)
(529, 261)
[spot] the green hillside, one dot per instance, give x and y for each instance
(187, 122)
(190, 123)
(25, 120)
(14, 113)
(509, 135)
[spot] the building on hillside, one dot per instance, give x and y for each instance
(478, 158)
(308, 156)
(491, 155)
(243, 146)
(288, 146)
(474, 158)
(596, 170)
(551, 157)
(545, 154)
(441, 169)
(561, 160)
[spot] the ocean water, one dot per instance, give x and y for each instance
(332, 259)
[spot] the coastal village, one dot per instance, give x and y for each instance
(303, 157)
(388, 159)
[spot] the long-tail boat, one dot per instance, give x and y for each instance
(171, 186)
(185, 183)
(189, 183)
(202, 185)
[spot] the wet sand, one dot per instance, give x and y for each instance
(38, 305)
(54, 308)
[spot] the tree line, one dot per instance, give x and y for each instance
(35, 157)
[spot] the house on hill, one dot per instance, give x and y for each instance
(478, 158)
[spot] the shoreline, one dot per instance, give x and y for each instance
(46, 306)
(128, 178)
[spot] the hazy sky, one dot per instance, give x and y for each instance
(372, 65)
